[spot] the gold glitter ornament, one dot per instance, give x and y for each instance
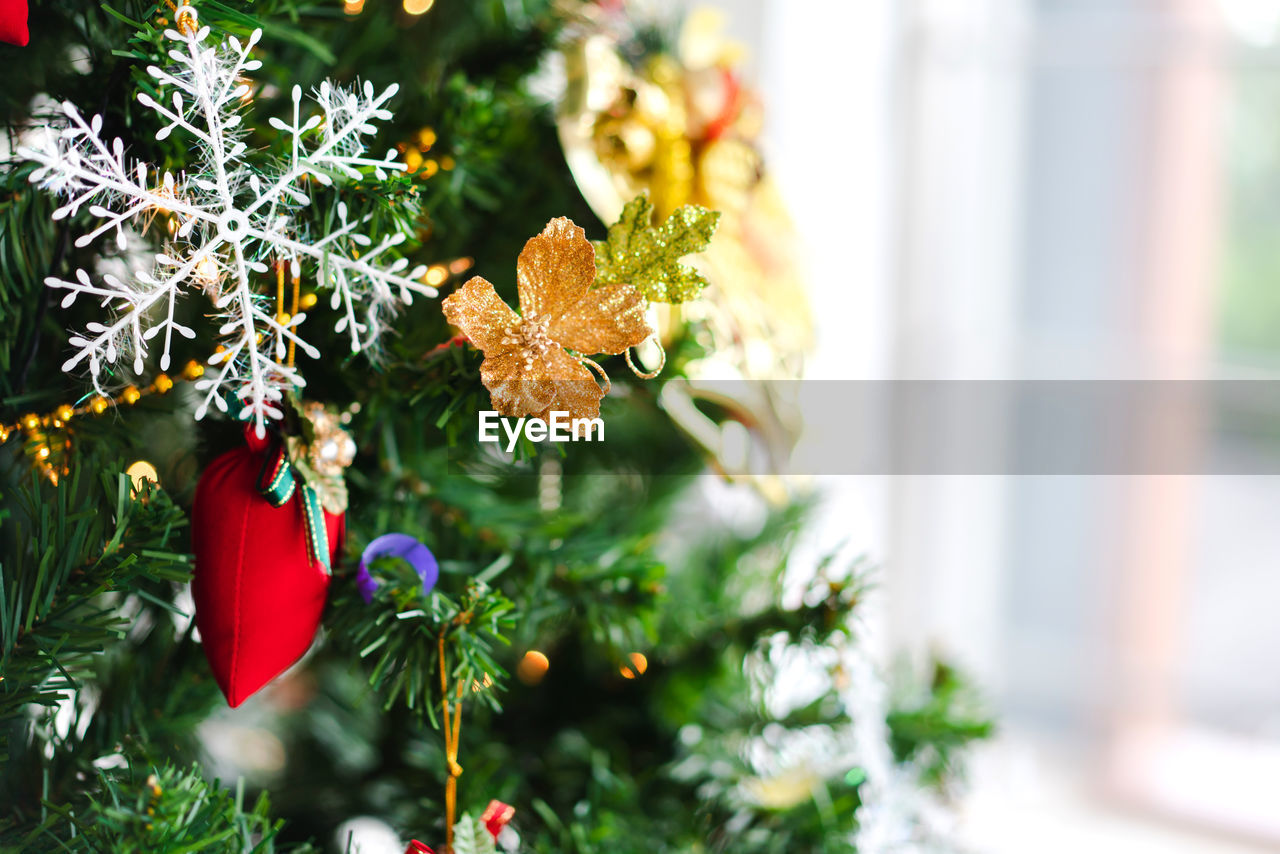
(323, 453)
(672, 177)
(728, 174)
(527, 366)
(702, 147)
(624, 132)
(331, 448)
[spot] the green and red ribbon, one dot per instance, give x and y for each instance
(278, 482)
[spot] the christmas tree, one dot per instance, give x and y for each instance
(245, 353)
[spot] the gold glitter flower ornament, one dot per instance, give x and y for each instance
(535, 362)
(321, 452)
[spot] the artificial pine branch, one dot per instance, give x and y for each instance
(161, 810)
(67, 548)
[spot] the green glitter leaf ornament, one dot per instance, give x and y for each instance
(647, 256)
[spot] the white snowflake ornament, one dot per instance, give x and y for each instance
(235, 214)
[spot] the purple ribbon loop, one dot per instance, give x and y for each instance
(404, 547)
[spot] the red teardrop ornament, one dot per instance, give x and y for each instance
(259, 594)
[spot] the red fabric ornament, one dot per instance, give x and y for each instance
(13, 22)
(416, 847)
(259, 588)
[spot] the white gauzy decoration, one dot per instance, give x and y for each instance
(235, 213)
(898, 814)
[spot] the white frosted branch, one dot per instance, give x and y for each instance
(103, 338)
(408, 284)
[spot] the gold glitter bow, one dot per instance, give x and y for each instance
(681, 123)
(535, 362)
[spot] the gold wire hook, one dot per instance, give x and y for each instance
(599, 370)
(648, 375)
(184, 17)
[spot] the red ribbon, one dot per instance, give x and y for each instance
(731, 108)
(496, 816)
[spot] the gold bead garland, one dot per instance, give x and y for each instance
(37, 427)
